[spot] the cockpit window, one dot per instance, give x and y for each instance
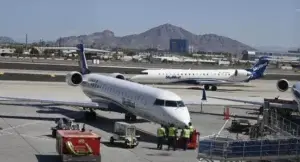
(159, 102)
(171, 104)
(180, 104)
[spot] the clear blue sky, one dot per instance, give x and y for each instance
(254, 22)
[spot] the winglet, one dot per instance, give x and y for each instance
(203, 95)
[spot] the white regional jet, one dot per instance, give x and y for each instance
(208, 78)
(114, 94)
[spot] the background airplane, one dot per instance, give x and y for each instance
(285, 106)
(119, 95)
(208, 78)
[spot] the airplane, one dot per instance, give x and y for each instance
(208, 78)
(118, 95)
(286, 106)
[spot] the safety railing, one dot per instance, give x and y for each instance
(252, 149)
(283, 125)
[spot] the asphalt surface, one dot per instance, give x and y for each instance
(26, 128)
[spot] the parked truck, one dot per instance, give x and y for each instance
(75, 145)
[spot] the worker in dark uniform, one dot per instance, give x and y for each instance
(185, 134)
(161, 134)
(83, 128)
(172, 135)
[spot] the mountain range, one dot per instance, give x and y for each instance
(157, 37)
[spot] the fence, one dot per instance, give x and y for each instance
(252, 149)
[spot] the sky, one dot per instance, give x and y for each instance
(253, 22)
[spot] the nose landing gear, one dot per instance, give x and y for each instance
(90, 115)
(213, 87)
(130, 117)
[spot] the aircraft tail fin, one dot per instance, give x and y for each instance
(82, 60)
(259, 68)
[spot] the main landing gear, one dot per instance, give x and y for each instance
(213, 87)
(90, 115)
(130, 117)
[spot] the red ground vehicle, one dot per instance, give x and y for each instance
(74, 145)
(193, 142)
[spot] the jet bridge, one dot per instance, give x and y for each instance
(274, 138)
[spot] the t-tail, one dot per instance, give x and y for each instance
(82, 60)
(259, 68)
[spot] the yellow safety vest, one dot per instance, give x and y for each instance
(191, 129)
(186, 133)
(160, 132)
(172, 131)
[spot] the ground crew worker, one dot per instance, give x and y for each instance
(60, 123)
(191, 130)
(172, 135)
(185, 137)
(83, 128)
(191, 127)
(161, 134)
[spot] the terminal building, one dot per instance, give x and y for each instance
(274, 56)
(179, 46)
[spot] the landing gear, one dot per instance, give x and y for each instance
(213, 87)
(90, 115)
(130, 117)
(206, 87)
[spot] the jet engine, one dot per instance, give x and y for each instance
(282, 85)
(74, 78)
(118, 75)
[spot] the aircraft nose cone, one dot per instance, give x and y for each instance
(182, 116)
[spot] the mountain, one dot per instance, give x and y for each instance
(4, 40)
(157, 37)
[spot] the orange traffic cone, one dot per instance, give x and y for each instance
(226, 113)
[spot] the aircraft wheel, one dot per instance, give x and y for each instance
(213, 88)
(127, 117)
(112, 140)
(206, 87)
(93, 115)
(133, 118)
(87, 116)
(54, 133)
(90, 116)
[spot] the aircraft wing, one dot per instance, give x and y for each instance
(88, 104)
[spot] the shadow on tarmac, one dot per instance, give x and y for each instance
(102, 123)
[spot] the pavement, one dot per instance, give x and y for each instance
(26, 126)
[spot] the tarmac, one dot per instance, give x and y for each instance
(26, 127)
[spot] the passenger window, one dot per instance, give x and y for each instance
(159, 102)
(171, 104)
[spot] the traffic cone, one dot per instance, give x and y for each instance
(226, 113)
